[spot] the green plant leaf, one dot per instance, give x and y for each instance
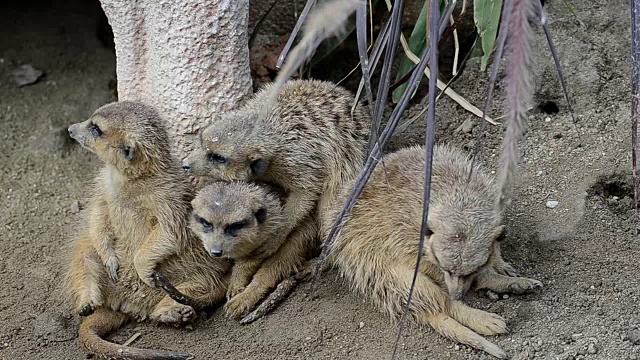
(417, 43)
(486, 15)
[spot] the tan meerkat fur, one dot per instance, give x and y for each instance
(242, 221)
(309, 145)
(376, 249)
(137, 223)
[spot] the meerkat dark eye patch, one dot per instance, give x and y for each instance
(205, 224)
(259, 167)
(216, 158)
(95, 130)
(261, 215)
(234, 228)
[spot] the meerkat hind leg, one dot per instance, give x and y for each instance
(85, 277)
(284, 262)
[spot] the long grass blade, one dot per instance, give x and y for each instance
(294, 33)
(635, 100)
(385, 76)
(497, 57)
(376, 51)
(361, 32)
(429, 142)
(518, 94)
(256, 28)
(556, 60)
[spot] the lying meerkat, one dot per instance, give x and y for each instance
(137, 223)
(242, 221)
(376, 248)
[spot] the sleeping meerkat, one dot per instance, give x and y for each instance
(376, 248)
(242, 221)
(137, 223)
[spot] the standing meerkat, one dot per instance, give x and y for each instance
(242, 221)
(377, 246)
(137, 224)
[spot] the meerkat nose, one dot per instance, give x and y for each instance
(216, 253)
(185, 165)
(70, 130)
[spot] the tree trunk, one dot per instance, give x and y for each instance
(188, 58)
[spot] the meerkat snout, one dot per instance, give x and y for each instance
(185, 165)
(71, 130)
(216, 252)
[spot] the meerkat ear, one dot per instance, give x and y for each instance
(129, 151)
(261, 215)
(500, 233)
(259, 167)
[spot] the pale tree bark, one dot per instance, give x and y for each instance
(188, 58)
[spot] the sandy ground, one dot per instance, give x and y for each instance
(583, 250)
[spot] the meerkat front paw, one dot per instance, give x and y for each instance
(239, 305)
(507, 284)
(521, 285)
(480, 321)
(170, 312)
(487, 323)
(504, 268)
(112, 264)
(234, 289)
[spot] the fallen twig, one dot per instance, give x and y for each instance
(276, 297)
(133, 338)
(173, 293)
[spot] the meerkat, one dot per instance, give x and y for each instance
(242, 221)
(376, 249)
(137, 224)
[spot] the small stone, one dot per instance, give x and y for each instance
(361, 325)
(551, 204)
(547, 119)
(592, 349)
(75, 207)
(466, 127)
(539, 173)
(576, 337)
(456, 348)
(505, 296)
(26, 75)
(493, 296)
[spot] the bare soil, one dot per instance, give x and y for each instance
(584, 250)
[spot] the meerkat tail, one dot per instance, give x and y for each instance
(103, 321)
(328, 20)
(518, 93)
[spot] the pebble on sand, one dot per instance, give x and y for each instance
(552, 204)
